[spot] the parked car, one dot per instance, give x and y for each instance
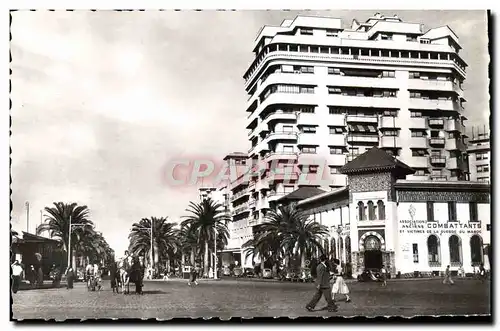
(370, 276)
(248, 272)
(267, 273)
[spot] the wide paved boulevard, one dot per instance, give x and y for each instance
(230, 298)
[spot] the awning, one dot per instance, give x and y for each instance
(362, 128)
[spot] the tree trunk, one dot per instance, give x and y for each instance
(182, 259)
(205, 269)
(302, 259)
(155, 254)
(192, 256)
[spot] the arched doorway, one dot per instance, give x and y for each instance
(348, 249)
(333, 248)
(341, 250)
(372, 253)
(476, 250)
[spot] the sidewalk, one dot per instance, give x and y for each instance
(47, 284)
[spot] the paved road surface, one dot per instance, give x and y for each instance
(230, 298)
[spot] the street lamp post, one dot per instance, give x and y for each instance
(215, 252)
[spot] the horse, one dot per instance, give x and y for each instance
(124, 268)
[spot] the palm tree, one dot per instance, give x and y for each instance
(57, 222)
(303, 235)
(203, 218)
(188, 242)
(164, 238)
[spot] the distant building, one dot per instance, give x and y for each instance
(479, 151)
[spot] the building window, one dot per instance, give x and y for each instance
(430, 211)
(305, 31)
(391, 133)
(336, 129)
(303, 69)
(288, 149)
(334, 170)
(313, 169)
(473, 217)
(482, 168)
(418, 152)
(335, 111)
(334, 71)
(415, 253)
(332, 33)
(334, 90)
(415, 95)
(381, 210)
(414, 75)
(388, 74)
(287, 128)
(393, 113)
(452, 211)
(418, 133)
(371, 211)
(308, 110)
(411, 38)
(308, 149)
(308, 129)
(476, 250)
(336, 151)
(482, 156)
(361, 211)
(433, 249)
(386, 36)
(455, 250)
(425, 41)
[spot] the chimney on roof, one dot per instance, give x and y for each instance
(377, 15)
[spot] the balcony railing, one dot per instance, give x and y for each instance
(438, 160)
(362, 119)
(438, 177)
(436, 122)
(436, 141)
(362, 138)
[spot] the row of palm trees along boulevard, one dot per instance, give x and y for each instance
(286, 239)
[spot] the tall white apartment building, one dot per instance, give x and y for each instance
(321, 93)
(479, 155)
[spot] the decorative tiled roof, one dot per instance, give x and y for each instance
(375, 160)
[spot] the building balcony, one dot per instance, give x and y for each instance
(309, 159)
(418, 161)
(281, 176)
(485, 146)
(336, 159)
(454, 144)
(454, 125)
(452, 163)
(436, 141)
(369, 82)
(417, 103)
(434, 85)
(361, 119)
(308, 119)
(241, 209)
(281, 99)
(390, 142)
(336, 139)
(280, 136)
(262, 146)
(418, 123)
(252, 203)
(389, 122)
(280, 155)
(243, 193)
(438, 160)
(308, 139)
(419, 142)
(436, 122)
(335, 119)
(337, 180)
(273, 196)
(353, 101)
(362, 139)
(262, 204)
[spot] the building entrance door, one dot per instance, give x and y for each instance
(372, 254)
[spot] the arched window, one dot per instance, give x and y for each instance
(371, 211)
(476, 250)
(455, 250)
(381, 210)
(372, 243)
(348, 249)
(433, 249)
(333, 248)
(361, 211)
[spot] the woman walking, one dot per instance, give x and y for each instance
(339, 285)
(447, 276)
(70, 277)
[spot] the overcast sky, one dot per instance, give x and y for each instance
(103, 100)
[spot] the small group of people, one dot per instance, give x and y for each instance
(129, 269)
(324, 277)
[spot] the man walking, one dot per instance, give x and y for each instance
(17, 271)
(322, 287)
